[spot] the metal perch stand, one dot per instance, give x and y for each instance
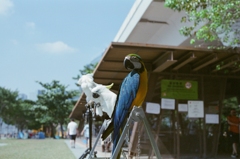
(137, 114)
(89, 115)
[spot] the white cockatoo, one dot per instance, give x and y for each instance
(101, 92)
(105, 97)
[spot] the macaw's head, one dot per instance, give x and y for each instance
(133, 62)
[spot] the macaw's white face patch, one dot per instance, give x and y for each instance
(137, 65)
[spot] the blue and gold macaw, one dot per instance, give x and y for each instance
(132, 93)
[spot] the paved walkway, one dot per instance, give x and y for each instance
(80, 148)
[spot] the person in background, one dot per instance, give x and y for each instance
(85, 132)
(106, 144)
(233, 122)
(72, 132)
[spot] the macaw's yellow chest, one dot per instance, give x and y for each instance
(142, 90)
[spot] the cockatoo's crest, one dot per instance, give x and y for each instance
(88, 78)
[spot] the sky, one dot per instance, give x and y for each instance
(46, 40)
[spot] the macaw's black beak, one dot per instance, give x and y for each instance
(95, 95)
(128, 64)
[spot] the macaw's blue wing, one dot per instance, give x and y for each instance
(127, 94)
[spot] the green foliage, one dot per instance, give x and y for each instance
(234, 66)
(54, 104)
(217, 20)
(23, 116)
(228, 105)
(16, 111)
(8, 101)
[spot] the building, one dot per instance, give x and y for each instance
(22, 96)
(7, 130)
(151, 31)
(150, 22)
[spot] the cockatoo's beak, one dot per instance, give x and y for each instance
(109, 86)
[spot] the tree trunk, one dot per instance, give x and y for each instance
(61, 127)
(52, 131)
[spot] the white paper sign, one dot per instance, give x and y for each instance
(182, 107)
(153, 108)
(195, 109)
(212, 119)
(168, 103)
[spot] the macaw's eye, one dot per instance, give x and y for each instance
(134, 58)
(95, 95)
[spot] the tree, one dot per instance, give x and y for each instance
(14, 110)
(8, 100)
(26, 117)
(54, 104)
(218, 20)
(22, 116)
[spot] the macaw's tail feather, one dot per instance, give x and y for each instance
(108, 131)
(115, 142)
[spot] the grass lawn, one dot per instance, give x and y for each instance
(34, 149)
